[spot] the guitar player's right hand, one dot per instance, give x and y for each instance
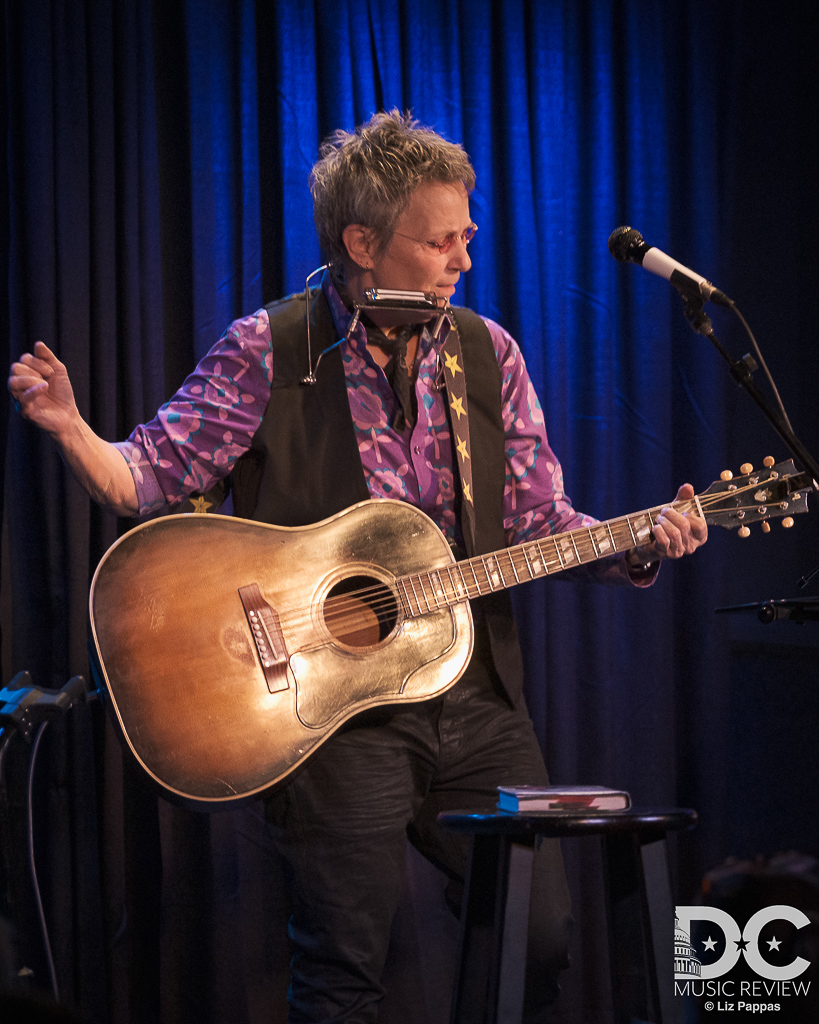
(42, 392)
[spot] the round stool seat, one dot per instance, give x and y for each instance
(557, 824)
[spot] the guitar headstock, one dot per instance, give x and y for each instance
(734, 502)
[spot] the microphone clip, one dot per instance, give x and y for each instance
(694, 312)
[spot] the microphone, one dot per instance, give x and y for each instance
(627, 245)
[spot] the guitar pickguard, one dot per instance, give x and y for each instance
(418, 660)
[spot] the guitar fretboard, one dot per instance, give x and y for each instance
(425, 592)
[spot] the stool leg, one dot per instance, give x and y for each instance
(661, 915)
(512, 966)
(631, 956)
(494, 926)
(641, 929)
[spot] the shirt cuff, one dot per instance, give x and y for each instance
(642, 575)
(149, 494)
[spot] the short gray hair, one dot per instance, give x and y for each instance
(368, 176)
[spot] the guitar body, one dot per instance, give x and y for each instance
(175, 605)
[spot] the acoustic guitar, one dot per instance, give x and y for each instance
(230, 650)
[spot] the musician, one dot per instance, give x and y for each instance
(391, 205)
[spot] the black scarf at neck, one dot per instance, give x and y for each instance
(396, 371)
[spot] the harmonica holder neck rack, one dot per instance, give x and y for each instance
(374, 298)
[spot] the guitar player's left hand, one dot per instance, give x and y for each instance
(674, 534)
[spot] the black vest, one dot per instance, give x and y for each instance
(303, 464)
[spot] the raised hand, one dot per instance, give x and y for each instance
(42, 392)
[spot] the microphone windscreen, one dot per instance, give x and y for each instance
(627, 245)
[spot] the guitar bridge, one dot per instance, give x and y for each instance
(267, 635)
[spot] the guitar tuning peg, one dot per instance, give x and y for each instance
(726, 474)
(744, 531)
(787, 522)
(768, 461)
(746, 467)
(766, 527)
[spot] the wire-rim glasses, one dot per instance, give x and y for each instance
(444, 247)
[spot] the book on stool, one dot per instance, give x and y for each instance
(562, 798)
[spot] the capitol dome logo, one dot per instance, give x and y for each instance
(686, 964)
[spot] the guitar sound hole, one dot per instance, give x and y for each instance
(360, 611)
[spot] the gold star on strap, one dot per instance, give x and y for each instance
(452, 363)
(200, 506)
(457, 406)
(467, 493)
(461, 448)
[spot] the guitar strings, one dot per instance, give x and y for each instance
(383, 601)
(368, 595)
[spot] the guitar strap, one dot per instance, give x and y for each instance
(455, 381)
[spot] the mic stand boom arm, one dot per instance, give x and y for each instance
(741, 370)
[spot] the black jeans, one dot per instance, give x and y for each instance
(342, 824)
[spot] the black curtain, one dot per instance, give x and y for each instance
(155, 188)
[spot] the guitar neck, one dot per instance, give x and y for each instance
(547, 556)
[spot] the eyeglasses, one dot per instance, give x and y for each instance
(444, 247)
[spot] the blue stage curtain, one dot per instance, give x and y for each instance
(155, 188)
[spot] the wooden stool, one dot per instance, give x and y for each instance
(495, 916)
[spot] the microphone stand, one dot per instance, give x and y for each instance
(26, 710)
(741, 370)
(798, 610)
(806, 579)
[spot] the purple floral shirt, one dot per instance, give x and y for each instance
(198, 435)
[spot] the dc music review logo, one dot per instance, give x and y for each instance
(737, 944)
